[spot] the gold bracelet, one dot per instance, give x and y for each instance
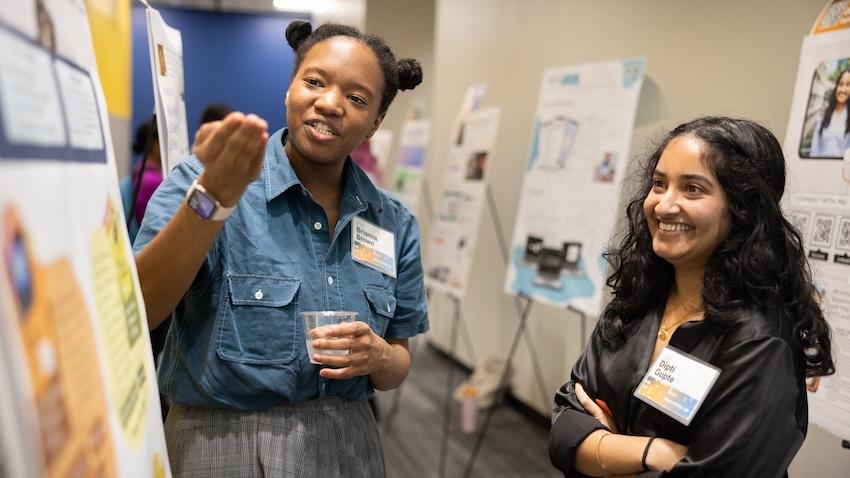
(598, 445)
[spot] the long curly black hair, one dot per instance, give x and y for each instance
(404, 74)
(760, 265)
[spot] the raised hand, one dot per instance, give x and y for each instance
(232, 152)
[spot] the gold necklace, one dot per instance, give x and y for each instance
(663, 335)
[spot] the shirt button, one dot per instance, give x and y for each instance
(324, 386)
(330, 280)
(317, 226)
(259, 294)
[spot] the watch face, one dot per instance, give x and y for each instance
(201, 204)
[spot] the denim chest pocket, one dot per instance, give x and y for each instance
(382, 305)
(259, 319)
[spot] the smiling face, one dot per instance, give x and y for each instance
(333, 101)
(842, 88)
(686, 209)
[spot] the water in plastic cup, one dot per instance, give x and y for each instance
(320, 319)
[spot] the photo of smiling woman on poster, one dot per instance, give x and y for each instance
(826, 131)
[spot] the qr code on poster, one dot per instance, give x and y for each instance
(801, 221)
(822, 232)
(843, 241)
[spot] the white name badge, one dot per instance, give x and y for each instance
(373, 246)
(677, 383)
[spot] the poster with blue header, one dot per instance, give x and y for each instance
(578, 156)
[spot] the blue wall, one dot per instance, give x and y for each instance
(239, 59)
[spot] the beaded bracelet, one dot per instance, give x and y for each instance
(598, 444)
(645, 453)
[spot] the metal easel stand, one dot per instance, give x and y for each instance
(523, 311)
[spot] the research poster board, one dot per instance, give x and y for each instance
(453, 234)
(166, 51)
(410, 162)
(817, 201)
(79, 395)
(579, 152)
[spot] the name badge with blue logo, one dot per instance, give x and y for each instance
(372, 246)
(677, 383)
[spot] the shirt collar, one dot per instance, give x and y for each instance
(280, 177)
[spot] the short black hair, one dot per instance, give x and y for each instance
(215, 112)
(403, 74)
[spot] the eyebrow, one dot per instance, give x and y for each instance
(687, 177)
(323, 72)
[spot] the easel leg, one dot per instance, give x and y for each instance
(479, 440)
(447, 403)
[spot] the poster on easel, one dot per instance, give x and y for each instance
(453, 234)
(410, 163)
(817, 201)
(79, 395)
(166, 52)
(579, 152)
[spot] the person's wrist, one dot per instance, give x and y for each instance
(226, 195)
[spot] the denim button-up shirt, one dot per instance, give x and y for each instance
(236, 339)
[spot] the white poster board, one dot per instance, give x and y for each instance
(817, 201)
(79, 395)
(451, 242)
(579, 151)
(410, 166)
(166, 52)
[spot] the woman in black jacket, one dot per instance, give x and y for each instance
(711, 267)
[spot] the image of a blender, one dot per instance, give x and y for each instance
(556, 138)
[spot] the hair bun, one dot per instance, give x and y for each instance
(409, 74)
(297, 31)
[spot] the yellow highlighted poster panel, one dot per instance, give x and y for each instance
(121, 326)
(66, 385)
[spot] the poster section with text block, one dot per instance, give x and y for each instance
(166, 52)
(579, 152)
(451, 242)
(817, 201)
(79, 395)
(410, 163)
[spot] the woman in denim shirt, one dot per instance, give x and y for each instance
(265, 232)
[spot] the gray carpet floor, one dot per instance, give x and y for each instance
(514, 446)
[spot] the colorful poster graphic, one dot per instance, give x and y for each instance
(410, 165)
(580, 138)
(79, 395)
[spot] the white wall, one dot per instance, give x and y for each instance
(408, 28)
(723, 57)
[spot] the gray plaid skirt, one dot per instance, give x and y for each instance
(319, 438)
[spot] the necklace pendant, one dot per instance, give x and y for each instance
(662, 334)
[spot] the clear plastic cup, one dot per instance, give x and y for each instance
(322, 318)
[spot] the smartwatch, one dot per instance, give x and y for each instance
(206, 205)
